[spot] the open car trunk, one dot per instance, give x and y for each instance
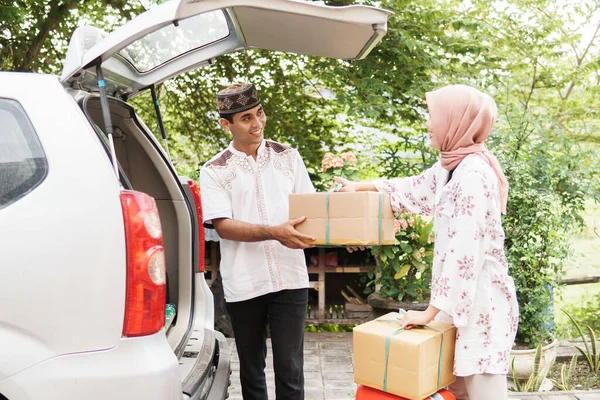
(143, 168)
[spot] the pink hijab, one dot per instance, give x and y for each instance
(461, 118)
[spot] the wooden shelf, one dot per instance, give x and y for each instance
(322, 317)
(338, 321)
(345, 269)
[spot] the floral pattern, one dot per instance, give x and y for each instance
(470, 282)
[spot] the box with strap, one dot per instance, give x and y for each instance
(345, 219)
(412, 363)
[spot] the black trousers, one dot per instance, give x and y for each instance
(285, 313)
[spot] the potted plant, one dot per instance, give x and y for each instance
(401, 276)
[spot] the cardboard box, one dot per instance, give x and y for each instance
(353, 219)
(413, 362)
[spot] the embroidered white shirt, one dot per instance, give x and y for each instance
(234, 185)
(470, 283)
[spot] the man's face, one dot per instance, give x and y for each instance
(247, 127)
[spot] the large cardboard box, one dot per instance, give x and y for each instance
(345, 219)
(413, 357)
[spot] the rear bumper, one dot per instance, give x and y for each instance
(222, 378)
(138, 368)
(209, 378)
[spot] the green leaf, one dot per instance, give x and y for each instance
(389, 252)
(403, 271)
(382, 256)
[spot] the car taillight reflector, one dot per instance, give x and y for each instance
(196, 193)
(146, 268)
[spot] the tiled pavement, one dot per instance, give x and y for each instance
(328, 373)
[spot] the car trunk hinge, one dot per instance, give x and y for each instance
(161, 126)
(106, 116)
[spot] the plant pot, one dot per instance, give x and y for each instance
(523, 360)
(382, 305)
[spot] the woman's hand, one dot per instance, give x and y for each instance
(413, 318)
(351, 186)
(346, 185)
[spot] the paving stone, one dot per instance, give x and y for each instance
(335, 352)
(334, 345)
(339, 385)
(312, 375)
(312, 360)
(588, 396)
(316, 367)
(338, 368)
(337, 376)
(336, 360)
(313, 394)
(337, 394)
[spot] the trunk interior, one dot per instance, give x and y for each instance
(145, 170)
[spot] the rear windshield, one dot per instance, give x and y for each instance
(23, 164)
(172, 41)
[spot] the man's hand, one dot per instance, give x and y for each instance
(287, 235)
(356, 248)
(413, 318)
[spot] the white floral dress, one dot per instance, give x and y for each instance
(470, 281)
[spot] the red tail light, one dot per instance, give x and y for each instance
(146, 274)
(196, 193)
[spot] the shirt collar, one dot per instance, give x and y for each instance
(235, 151)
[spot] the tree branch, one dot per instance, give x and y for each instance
(580, 61)
(533, 81)
(58, 12)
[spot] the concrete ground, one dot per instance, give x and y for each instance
(328, 372)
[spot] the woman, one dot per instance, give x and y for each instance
(465, 192)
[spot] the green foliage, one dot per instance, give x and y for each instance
(328, 328)
(406, 157)
(403, 271)
(585, 312)
(591, 355)
(550, 181)
(535, 380)
(565, 382)
(34, 34)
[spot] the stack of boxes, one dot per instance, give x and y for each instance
(389, 361)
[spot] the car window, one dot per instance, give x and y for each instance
(23, 164)
(167, 43)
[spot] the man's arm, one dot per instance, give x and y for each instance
(285, 233)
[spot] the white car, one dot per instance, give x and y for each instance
(99, 236)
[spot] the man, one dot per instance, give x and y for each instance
(245, 192)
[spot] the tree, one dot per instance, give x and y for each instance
(34, 34)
